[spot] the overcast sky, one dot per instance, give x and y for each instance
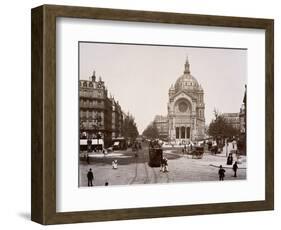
(139, 76)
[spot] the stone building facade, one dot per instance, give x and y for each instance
(232, 119)
(243, 125)
(100, 116)
(186, 108)
(243, 113)
(161, 122)
(117, 118)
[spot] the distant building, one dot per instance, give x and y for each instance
(161, 123)
(100, 116)
(242, 114)
(242, 119)
(243, 125)
(232, 119)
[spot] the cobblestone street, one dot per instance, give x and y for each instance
(135, 170)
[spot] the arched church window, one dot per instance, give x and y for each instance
(177, 133)
(182, 132)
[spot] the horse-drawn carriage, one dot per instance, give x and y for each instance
(197, 152)
(214, 149)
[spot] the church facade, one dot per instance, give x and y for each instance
(186, 109)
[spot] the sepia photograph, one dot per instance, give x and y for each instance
(157, 114)
(141, 114)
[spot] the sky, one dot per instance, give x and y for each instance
(139, 76)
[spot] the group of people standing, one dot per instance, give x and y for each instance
(221, 171)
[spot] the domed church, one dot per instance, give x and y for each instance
(186, 109)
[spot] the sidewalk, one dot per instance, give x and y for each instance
(242, 160)
(214, 160)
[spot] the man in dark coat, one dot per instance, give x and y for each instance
(90, 177)
(235, 167)
(89, 144)
(221, 173)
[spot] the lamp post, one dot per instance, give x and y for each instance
(226, 147)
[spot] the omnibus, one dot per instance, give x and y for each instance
(119, 143)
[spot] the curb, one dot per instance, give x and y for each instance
(227, 167)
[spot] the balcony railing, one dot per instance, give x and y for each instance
(95, 106)
(91, 96)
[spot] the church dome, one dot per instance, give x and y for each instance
(186, 81)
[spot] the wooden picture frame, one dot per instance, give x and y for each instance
(43, 208)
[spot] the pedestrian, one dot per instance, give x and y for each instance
(229, 159)
(162, 164)
(165, 162)
(221, 173)
(89, 143)
(209, 145)
(90, 177)
(233, 144)
(137, 152)
(106, 183)
(114, 164)
(88, 158)
(235, 167)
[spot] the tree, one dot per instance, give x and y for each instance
(129, 127)
(220, 128)
(151, 131)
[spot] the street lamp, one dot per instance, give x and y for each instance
(226, 147)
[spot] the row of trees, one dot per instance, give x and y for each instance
(220, 128)
(129, 128)
(151, 131)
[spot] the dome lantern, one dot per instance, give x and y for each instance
(186, 81)
(187, 66)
